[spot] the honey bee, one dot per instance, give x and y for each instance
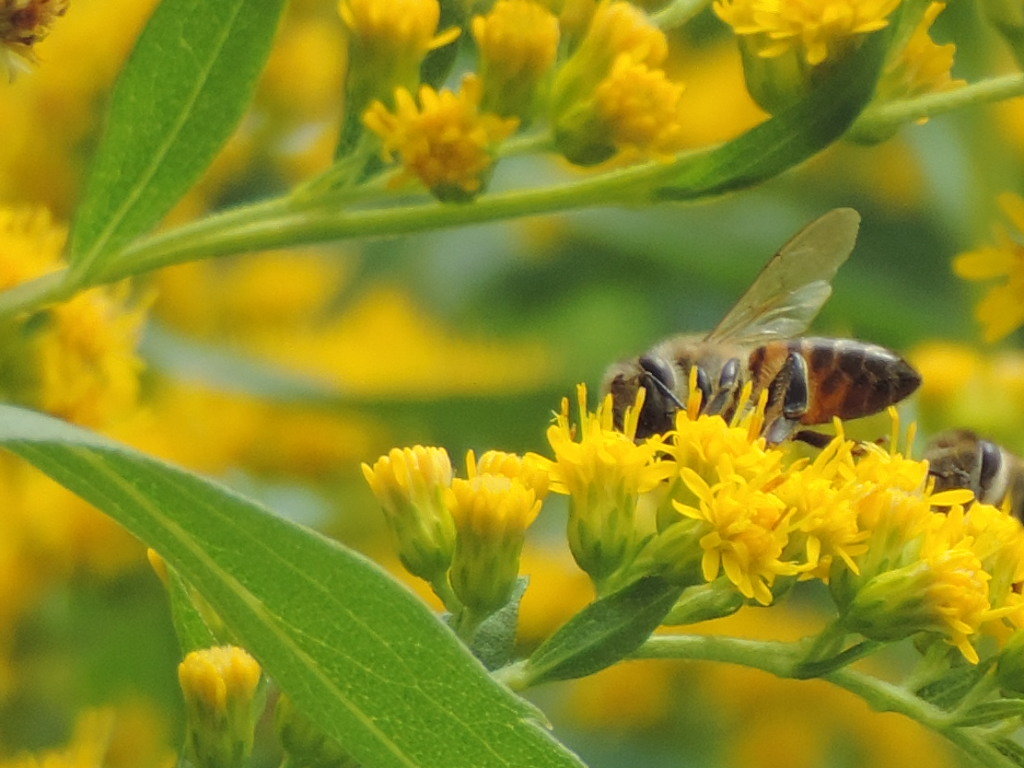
(809, 380)
(959, 458)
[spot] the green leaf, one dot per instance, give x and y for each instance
(991, 712)
(368, 663)
(194, 633)
(495, 639)
(949, 689)
(181, 94)
(1010, 750)
(790, 137)
(604, 632)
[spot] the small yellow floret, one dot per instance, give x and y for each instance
(641, 108)
(819, 29)
(604, 471)
(446, 141)
(748, 531)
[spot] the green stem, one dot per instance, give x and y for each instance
(882, 119)
(678, 12)
(282, 222)
(781, 659)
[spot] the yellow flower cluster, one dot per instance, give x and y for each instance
(711, 504)
(82, 364)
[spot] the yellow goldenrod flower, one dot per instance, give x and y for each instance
(744, 532)
(826, 529)
(923, 66)
(715, 450)
(998, 541)
(604, 471)
(23, 23)
(388, 40)
(945, 592)
(219, 686)
(637, 109)
(517, 43)
(1001, 311)
(410, 485)
(79, 356)
(446, 141)
(817, 29)
(491, 513)
(611, 94)
(783, 41)
(87, 366)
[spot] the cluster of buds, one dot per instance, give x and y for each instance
(462, 535)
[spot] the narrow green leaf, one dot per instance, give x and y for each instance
(181, 94)
(790, 137)
(1010, 750)
(991, 712)
(191, 627)
(604, 632)
(357, 652)
(955, 684)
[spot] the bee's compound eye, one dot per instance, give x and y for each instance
(991, 461)
(659, 370)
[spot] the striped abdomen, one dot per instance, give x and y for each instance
(846, 378)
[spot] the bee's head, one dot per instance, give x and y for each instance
(657, 377)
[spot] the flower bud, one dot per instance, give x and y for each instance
(946, 594)
(410, 485)
(517, 42)
(219, 686)
(491, 514)
(388, 40)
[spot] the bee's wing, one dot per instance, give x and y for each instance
(794, 284)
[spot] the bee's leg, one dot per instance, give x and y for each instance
(725, 393)
(704, 385)
(790, 388)
(812, 438)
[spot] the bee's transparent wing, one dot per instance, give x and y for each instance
(794, 284)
